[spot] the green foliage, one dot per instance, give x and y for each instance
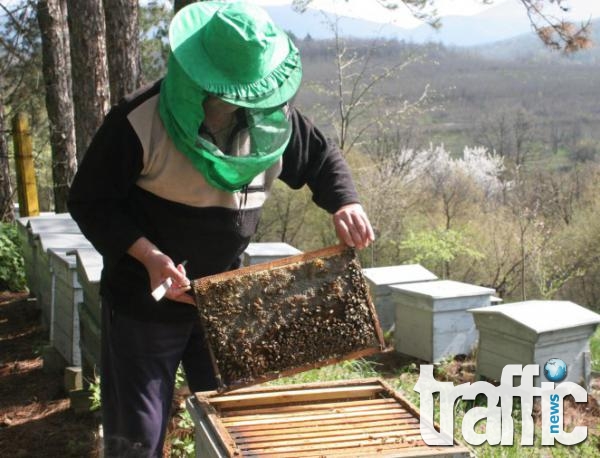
(346, 370)
(595, 350)
(154, 47)
(94, 388)
(12, 266)
(183, 445)
(180, 380)
(436, 247)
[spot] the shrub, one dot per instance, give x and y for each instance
(12, 266)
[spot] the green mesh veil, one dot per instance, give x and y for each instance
(182, 114)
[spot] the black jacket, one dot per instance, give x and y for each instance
(132, 182)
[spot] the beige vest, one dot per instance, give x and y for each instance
(170, 175)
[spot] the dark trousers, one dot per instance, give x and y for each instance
(137, 378)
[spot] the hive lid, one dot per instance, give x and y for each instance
(407, 273)
(278, 318)
(443, 289)
(58, 223)
(543, 316)
(62, 241)
(271, 249)
(89, 264)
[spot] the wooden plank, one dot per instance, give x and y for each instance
(303, 412)
(300, 258)
(257, 389)
(287, 396)
(383, 451)
(333, 421)
(222, 434)
(361, 445)
(307, 407)
(325, 441)
(335, 430)
(318, 417)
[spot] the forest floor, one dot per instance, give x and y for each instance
(36, 418)
(35, 415)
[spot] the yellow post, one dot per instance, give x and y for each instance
(26, 184)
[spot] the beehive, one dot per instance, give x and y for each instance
(89, 268)
(28, 228)
(258, 253)
(278, 318)
(64, 313)
(532, 332)
(360, 418)
(381, 278)
(432, 321)
(60, 243)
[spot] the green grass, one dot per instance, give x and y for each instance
(404, 378)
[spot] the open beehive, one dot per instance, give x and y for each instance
(278, 318)
(360, 418)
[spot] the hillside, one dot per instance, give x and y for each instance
(529, 48)
(473, 97)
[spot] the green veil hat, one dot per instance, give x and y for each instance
(232, 51)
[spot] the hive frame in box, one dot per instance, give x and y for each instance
(350, 418)
(302, 263)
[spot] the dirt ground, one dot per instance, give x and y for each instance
(35, 415)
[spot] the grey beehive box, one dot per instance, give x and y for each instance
(59, 223)
(64, 313)
(28, 227)
(89, 268)
(257, 253)
(43, 271)
(380, 279)
(432, 321)
(532, 332)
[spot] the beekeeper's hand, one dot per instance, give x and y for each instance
(353, 227)
(160, 268)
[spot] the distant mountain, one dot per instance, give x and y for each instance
(503, 22)
(495, 24)
(528, 47)
(315, 23)
(498, 23)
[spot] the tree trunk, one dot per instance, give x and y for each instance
(6, 204)
(178, 4)
(56, 66)
(89, 69)
(122, 47)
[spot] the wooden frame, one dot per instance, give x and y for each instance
(247, 279)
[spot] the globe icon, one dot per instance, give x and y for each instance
(555, 370)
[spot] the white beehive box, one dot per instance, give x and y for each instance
(64, 313)
(43, 271)
(432, 321)
(257, 253)
(89, 268)
(59, 223)
(28, 227)
(532, 332)
(380, 279)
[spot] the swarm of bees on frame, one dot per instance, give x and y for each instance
(272, 321)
